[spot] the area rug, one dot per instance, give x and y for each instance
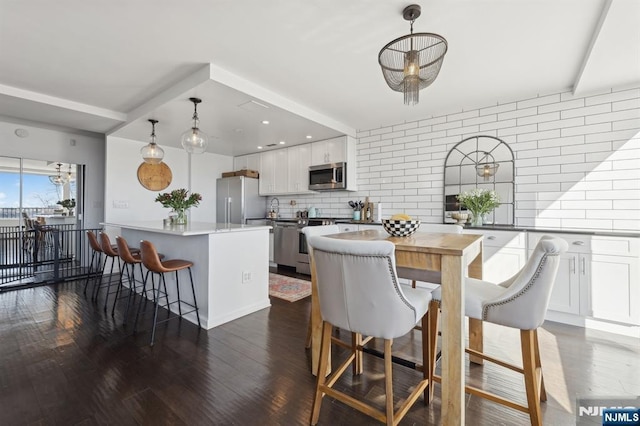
(287, 288)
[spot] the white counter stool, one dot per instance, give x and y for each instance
(520, 302)
(155, 266)
(355, 279)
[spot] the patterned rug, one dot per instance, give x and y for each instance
(287, 288)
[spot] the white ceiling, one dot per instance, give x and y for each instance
(107, 67)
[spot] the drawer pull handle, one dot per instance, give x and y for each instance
(491, 237)
(578, 243)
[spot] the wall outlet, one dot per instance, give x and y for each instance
(246, 277)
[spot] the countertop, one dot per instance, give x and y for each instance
(191, 228)
(603, 232)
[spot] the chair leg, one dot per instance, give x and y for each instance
(155, 314)
(388, 381)
(144, 294)
(106, 296)
(307, 342)
(86, 283)
(543, 392)
(120, 286)
(325, 347)
(527, 338)
(356, 341)
(433, 318)
(178, 290)
(195, 303)
(413, 283)
(131, 277)
(427, 371)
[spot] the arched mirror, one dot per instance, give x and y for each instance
(480, 162)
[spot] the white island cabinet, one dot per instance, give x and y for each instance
(231, 264)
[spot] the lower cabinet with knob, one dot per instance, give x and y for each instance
(599, 279)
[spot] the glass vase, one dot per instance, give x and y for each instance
(476, 220)
(181, 216)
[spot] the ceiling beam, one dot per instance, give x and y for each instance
(594, 38)
(61, 103)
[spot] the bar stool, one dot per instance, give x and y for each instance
(151, 260)
(130, 260)
(96, 260)
(111, 252)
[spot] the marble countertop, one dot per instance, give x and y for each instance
(191, 228)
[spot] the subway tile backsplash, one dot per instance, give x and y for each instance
(577, 161)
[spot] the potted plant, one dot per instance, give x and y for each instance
(179, 201)
(479, 201)
(68, 204)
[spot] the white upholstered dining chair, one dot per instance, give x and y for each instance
(520, 302)
(357, 281)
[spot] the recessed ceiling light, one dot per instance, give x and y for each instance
(282, 142)
(265, 121)
(259, 147)
(309, 136)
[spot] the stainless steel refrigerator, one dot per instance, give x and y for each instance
(238, 200)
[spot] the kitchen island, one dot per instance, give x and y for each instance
(231, 264)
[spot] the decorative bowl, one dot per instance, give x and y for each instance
(460, 217)
(400, 228)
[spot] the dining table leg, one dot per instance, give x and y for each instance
(475, 325)
(453, 378)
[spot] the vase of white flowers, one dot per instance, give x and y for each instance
(479, 202)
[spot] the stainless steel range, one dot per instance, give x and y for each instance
(302, 262)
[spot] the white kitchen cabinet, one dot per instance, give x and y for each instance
(271, 247)
(599, 278)
(273, 172)
(247, 162)
(299, 160)
(504, 253)
(329, 151)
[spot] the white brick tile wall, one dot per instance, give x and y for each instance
(577, 161)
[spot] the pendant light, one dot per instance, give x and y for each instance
(412, 62)
(70, 176)
(152, 153)
(194, 140)
(58, 179)
(487, 167)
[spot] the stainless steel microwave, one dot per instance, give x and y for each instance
(328, 177)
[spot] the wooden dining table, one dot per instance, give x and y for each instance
(452, 255)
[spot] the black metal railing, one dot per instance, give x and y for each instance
(16, 212)
(46, 254)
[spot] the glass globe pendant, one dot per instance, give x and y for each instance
(194, 140)
(152, 153)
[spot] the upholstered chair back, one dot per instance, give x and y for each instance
(358, 288)
(524, 303)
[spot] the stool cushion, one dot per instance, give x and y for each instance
(172, 265)
(476, 294)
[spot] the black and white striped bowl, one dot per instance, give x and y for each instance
(400, 228)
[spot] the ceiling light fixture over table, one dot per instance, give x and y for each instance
(58, 179)
(194, 140)
(152, 153)
(412, 62)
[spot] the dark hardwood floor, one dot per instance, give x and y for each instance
(63, 361)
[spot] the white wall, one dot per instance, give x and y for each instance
(126, 199)
(577, 161)
(51, 144)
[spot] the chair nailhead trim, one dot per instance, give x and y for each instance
(485, 308)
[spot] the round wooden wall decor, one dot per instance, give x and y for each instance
(154, 177)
